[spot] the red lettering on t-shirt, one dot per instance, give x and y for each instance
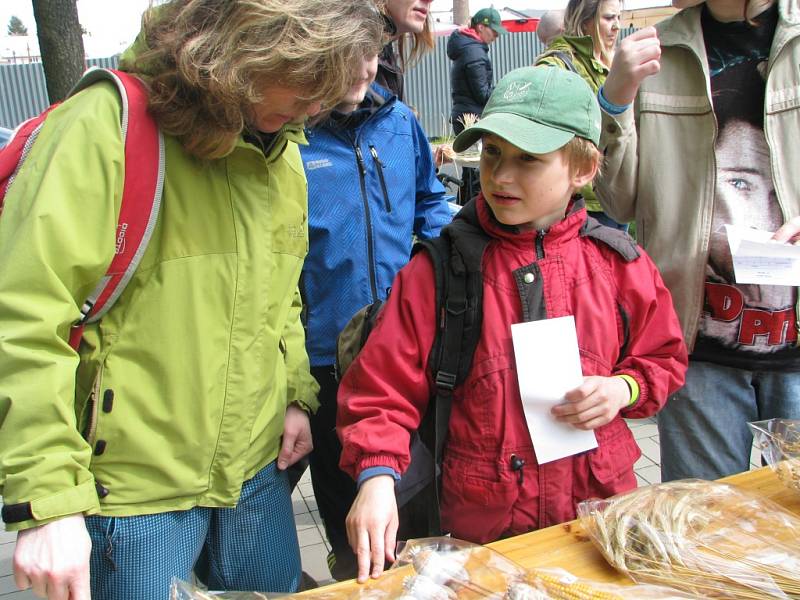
(723, 302)
(777, 325)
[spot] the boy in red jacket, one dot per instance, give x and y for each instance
(545, 259)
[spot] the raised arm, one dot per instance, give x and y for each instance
(616, 186)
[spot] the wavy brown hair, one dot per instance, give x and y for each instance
(206, 62)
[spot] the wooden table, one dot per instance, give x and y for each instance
(568, 547)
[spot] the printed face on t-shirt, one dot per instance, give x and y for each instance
(745, 193)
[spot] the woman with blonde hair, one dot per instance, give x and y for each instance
(167, 433)
(410, 34)
(586, 47)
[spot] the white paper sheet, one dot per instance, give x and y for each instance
(548, 366)
(759, 259)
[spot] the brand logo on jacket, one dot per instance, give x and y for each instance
(322, 163)
(296, 231)
(121, 230)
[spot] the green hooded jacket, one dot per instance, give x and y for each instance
(178, 394)
(581, 54)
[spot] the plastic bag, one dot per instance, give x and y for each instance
(707, 538)
(446, 567)
(181, 590)
(779, 442)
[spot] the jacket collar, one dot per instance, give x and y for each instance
(583, 44)
(291, 132)
(562, 231)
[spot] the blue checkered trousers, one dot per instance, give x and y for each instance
(252, 547)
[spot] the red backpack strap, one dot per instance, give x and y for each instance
(17, 148)
(141, 196)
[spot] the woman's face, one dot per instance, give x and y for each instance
(609, 13)
(281, 105)
(409, 15)
(745, 193)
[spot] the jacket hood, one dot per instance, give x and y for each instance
(459, 40)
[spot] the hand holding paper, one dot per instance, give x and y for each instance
(549, 366)
(594, 403)
(760, 259)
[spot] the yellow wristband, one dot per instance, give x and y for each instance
(633, 386)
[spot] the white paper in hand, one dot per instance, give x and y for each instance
(757, 258)
(548, 366)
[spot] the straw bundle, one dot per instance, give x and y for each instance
(710, 539)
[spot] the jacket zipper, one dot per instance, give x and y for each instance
(362, 175)
(92, 406)
(379, 164)
(540, 244)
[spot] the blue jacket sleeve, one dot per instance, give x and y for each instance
(431, 212)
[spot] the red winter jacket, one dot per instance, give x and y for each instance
(616, 304)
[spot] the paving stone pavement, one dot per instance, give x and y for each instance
(311, 533)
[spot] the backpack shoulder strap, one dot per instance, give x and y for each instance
(456, 256)
(616, 239)
(141, 195)
(17, 148)
(563, 57)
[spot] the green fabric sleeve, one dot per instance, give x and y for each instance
(302, 388)
(57, 236)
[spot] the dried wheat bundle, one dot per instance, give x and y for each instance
(710, 539)
(468, 120)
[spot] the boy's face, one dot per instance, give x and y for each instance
(364, 75)
(530, 191)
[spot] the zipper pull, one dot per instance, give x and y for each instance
(360, 159)
(517, 464)
(375, 155)
(539, 243)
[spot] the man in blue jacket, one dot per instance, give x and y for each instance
(371, 187)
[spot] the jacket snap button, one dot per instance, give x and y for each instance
(99, 447)
(528, 277)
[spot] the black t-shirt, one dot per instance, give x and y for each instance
(744, 326)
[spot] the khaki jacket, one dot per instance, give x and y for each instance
(178, 394)
(660, 161)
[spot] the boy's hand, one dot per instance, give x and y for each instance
(637, 57)
(372, 525)
(594, 403)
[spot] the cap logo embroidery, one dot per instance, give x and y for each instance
(516, 91)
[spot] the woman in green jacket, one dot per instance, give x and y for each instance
(587, 47)
(166, 434)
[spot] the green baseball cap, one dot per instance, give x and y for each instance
(538, 109)
(490, 17)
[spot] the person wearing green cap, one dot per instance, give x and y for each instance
(471, 78)
(543, 259)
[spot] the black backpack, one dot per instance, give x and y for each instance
(456, 256)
